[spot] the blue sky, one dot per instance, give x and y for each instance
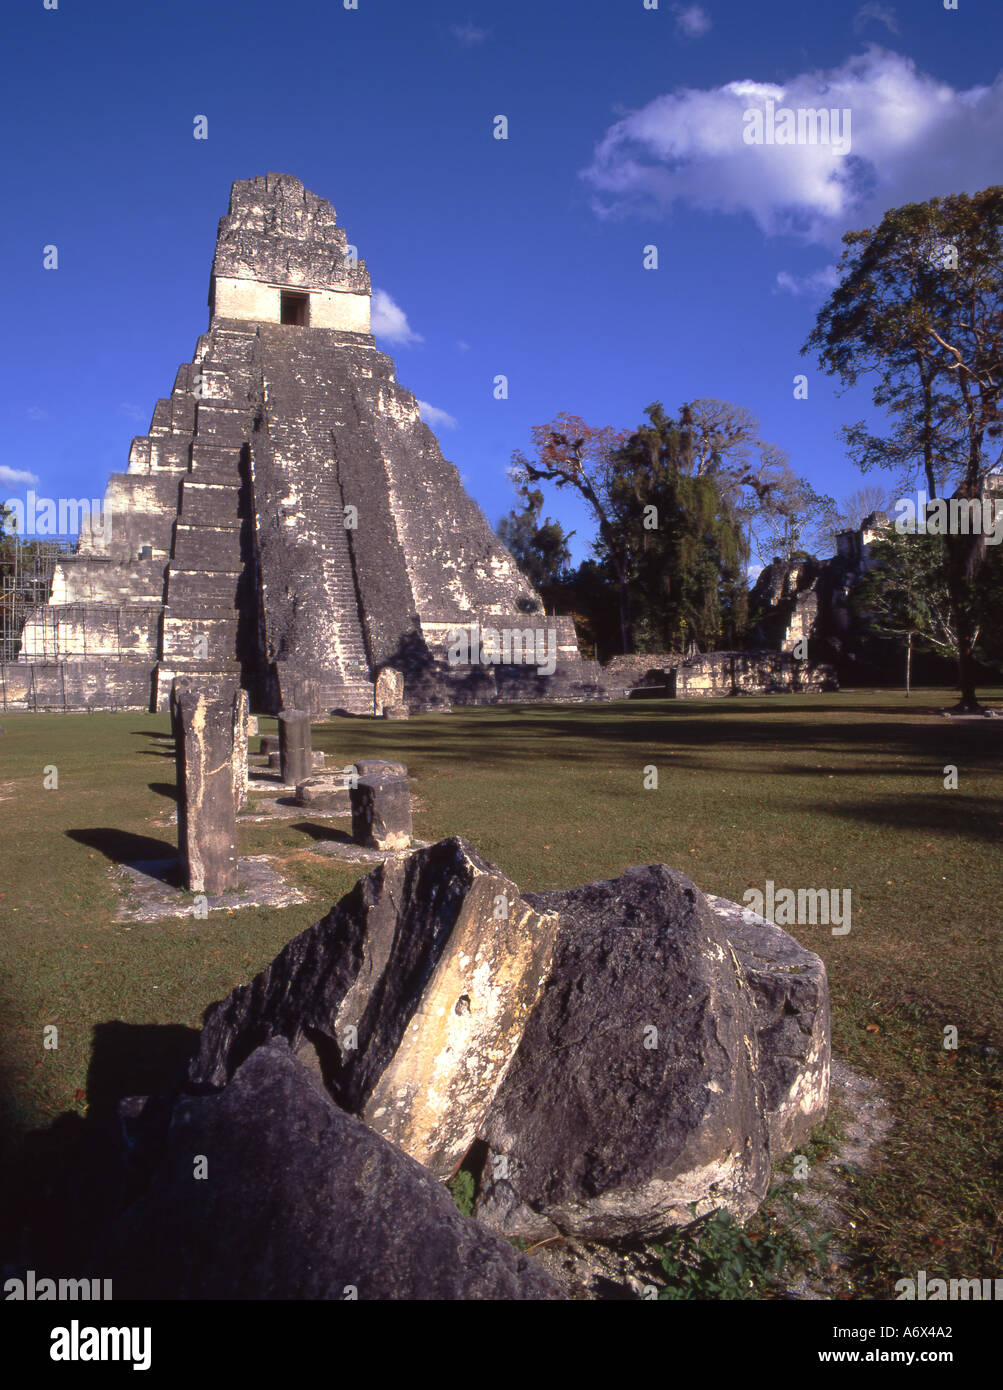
(521, 257)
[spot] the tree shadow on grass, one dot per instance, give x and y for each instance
(168, 789)
(948, 813)
(60, 1186)
(573, 740)
(320, 832)
(122, 846)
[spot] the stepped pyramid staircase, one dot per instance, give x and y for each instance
(208, 627)
(307, 405)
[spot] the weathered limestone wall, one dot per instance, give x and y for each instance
(76, 685)
(621, 674)
(346, 310)
(335, 309)
(748, 673)
(89, 632)
(79, 579)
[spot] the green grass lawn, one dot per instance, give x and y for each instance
(843, 791)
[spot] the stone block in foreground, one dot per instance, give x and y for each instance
(410, 999)
(635, 1090)
(329, 794)
(300, 1201)
(791, 993)
(381, 812)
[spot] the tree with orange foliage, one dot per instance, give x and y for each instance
(571, 453)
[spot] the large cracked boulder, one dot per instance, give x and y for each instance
(268, 1190)
(635, 1089)
(409, 999)
(791, 992)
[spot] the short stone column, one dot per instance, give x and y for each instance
(381, 812)
(388, 690)
(295, 753)
(204, 756)
(328, 795)
(241, 719)
(379, 767)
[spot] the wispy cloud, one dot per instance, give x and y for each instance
(134, 412)
(436, 418)
(819, 282)
(390, 321)
(468, 34)
(16, 477)
(35, 412)
(874, 13)
(913, 137)
(463, 345)
(692, 21)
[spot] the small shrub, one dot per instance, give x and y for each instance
(464, 1189)
(715, 1258)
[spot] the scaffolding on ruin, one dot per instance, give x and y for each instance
(26, 570)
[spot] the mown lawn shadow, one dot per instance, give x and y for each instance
(123, 846)
(948, 813)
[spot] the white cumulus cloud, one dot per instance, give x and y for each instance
(820, 282)
(390, 321)
(15, 477)
(912, 137)
(692, 21)
(875, 13)
(436, 418)
(468, 34)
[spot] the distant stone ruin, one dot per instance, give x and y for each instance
(710, 675)
(289, 522)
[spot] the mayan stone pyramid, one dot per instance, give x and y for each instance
(289, 521)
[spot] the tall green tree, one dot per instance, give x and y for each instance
(989, 607)
(539, 547)
(919, 308)
(685, 538)
(782, 514)
(906, 596)
(715, 486)
(572, 454)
